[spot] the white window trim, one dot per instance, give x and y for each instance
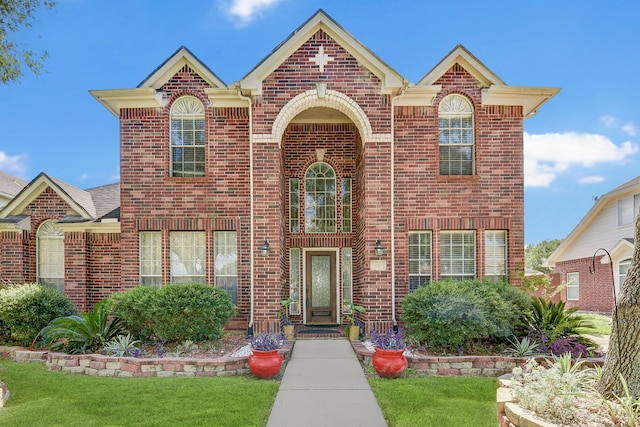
(573, 284)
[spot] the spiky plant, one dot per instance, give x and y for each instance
(82, 334)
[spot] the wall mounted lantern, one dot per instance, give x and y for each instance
(378, 248)
(264, 249)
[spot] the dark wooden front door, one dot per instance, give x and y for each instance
(321, 287)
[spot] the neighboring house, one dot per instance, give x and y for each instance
(322, 175)
(9, 187)
(608, 227)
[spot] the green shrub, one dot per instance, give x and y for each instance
(26, 309)
(82, 334)
(449, 314)
(556, 321)
(174, 312)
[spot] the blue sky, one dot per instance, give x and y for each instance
(583, 143)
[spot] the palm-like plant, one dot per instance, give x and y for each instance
(82, 334)
(554, 320)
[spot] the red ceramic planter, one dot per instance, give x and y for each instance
(389, 363)
(265, 364)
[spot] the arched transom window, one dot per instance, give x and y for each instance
(50, 249)
(455, 135)
(320, 199)
(187, 137)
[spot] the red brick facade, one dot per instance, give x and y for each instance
(346, 109)
(595, 291)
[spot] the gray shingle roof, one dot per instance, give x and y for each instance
(11, 185)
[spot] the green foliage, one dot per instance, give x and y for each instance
(82, 334)
(14, 15)
(522, 348)
(26, 309)
(536, 255)
(177, 313)
(122, 345)
(448, 314)
(556, 321)
(551, 393)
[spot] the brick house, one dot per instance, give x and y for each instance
(593, 261)
(322, 175)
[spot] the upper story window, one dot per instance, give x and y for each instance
(455, 136)
(320, 199)
(187, 137)
(50, 251)
(628, 210)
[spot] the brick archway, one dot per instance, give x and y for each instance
(328, 99)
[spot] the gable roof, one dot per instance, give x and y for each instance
(10, 185)
(147, 93)
(495, 90)
(592, 214)
(87, 205)
(391, 80)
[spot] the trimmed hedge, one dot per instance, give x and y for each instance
(174, 312)
(27, 308)
(449, 314)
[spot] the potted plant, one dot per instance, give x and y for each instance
(265, 361)
(389, 360)
(352, 329)
(287, 325)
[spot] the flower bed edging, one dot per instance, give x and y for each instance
(108, 366)
(464, 366)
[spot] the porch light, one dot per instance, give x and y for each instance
(264, 249)
(378, 248)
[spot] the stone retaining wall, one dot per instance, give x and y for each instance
(464, 366)
(108, 366)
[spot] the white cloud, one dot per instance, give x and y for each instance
(244, 11)
(630, 129)
(548, 155)
(14, 165)
(609, 121)
(594, 179)
(83, 177)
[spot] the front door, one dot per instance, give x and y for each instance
(320, 287)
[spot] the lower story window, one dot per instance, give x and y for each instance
(495, 255)
(347, 280)
(150, 258)
(50, 251)
(294, 281)
(573, 286)
(225, 262)
(623, 270)
(188, 257)
(419, 259)
(458, 255)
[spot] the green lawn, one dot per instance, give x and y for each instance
(437, 401)
(40, 397)
(601, 324)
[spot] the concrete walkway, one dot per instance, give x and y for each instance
(323, 385)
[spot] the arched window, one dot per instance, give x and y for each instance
(455, 136)
(320, 199)
(50, 254)
(187, 137)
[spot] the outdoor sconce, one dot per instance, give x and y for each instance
(264, 249)
(378, 248)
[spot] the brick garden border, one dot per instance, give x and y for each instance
(109, 366)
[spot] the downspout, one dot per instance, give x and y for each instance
(251, 236)
(393, 204)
